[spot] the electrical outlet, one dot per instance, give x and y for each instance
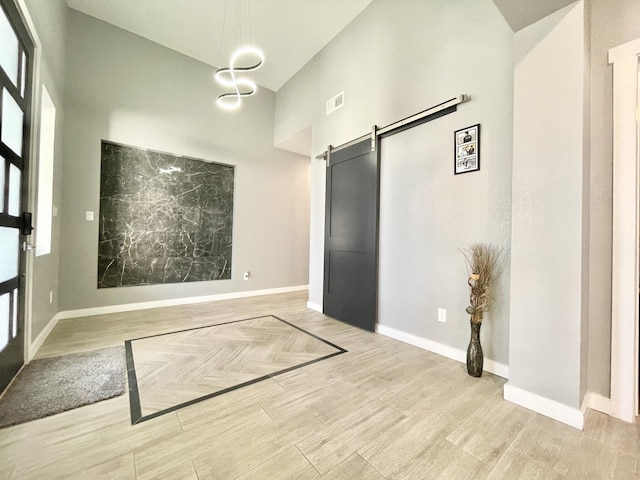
(442, 315)
(246, 275)
(88, 216)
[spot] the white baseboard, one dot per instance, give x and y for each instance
(491, 366)
(314, 306)
(37, 343)
(128, 307)
(595, 401)
(544, 406)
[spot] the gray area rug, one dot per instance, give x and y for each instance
(52, 385)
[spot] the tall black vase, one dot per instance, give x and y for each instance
(474, 351)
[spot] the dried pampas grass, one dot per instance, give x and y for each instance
(482, 263)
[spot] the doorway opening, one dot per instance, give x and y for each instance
(625, 281)
(16, 74)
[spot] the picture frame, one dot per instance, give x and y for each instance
(466, 153)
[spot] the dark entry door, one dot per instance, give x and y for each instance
(350, 242)
(16, 53)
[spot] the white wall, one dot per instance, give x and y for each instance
(126, 89)
(547, 196)
(393, 60)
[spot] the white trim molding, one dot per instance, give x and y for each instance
(544, 406)
(129, 307)
(595, 401)
(491, 366)
(625, 280)
(315, 307)
(34, 346)
(624, 51)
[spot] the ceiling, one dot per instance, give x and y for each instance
(290, 32)
(522, 13)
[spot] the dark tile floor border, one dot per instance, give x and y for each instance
(134, 395)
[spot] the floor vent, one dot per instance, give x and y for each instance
(335, 103)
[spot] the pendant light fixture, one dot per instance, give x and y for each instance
(244, 59)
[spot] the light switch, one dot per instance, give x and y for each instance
(89, 216)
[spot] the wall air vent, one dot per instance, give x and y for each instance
(335, 103)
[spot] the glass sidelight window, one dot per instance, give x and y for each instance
(12, 121)
(45, 174)
(9, 51)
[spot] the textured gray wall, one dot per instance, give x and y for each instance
(125, 89)
(393, 60)
(547, 196)
(49, 19)
(427, 213)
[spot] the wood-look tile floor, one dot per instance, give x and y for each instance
(383, 410)
(174, 369)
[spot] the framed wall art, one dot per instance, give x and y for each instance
(467, 149)
(164, 218)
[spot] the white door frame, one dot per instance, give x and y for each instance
(29, 351)
(625, 281)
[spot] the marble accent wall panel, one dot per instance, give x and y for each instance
(163, 218)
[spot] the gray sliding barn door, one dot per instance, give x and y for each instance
(351, 230)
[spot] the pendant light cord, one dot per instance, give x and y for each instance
(250, 31)
(224, 23)
(238, 23)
